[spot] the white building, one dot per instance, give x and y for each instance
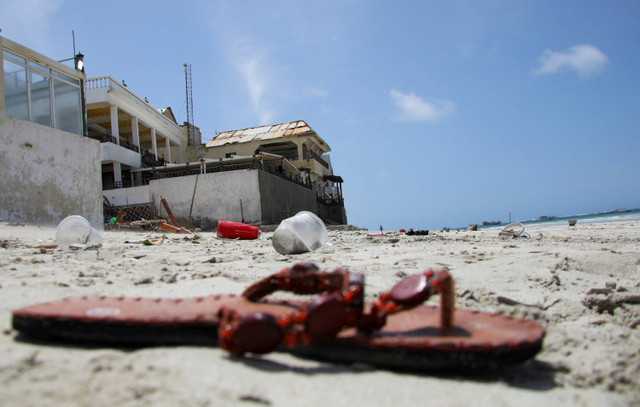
(49, 169)
(67, 142)
(132, 133)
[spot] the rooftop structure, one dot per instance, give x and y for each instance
(132, 133)
(295, 141)
(67, 142)
(276, 131)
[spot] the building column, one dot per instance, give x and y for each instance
(154, 145)
(135, 130)
(115, 130)
(167, 148)
(180, 153)
(117, 172)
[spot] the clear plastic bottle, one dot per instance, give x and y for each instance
(76, 233)
(300, 233)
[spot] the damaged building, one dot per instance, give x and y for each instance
(71, 144)
(256, 175)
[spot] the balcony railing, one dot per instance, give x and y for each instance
(124, 184)
(313, 155)
(296, 179)
(150, 160)
(337, 201)
(114, 86)
(211, 168)
(105, 138)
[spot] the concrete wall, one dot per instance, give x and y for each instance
(266, 198)
(128, 196)
(111, 152)
(48, 174)
(280, 199)
(217, 197)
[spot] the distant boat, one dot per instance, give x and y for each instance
(491, 223)
(622, 210)
(546, 217)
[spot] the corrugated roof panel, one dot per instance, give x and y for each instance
(260, 133)
(300, 130)
(256, 130)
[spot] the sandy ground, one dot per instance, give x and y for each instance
(581, 283)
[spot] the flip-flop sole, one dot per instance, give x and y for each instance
(414, 341)
(409, 340)
(135, 321)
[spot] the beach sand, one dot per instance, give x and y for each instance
(581, 283)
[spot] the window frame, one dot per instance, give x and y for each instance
(33, 66)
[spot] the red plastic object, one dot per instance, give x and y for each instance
(237, 230)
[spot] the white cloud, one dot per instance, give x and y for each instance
(252, 67)
(263, 54)
(265, 78)
(586, 60)
(413, 108)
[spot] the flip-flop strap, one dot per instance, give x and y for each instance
(326, 315)
(301, 278)
(340, 304)
(409, 293)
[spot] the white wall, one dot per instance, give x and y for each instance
(128, 196)
(112, 152)
(217, 196)
(48, 174)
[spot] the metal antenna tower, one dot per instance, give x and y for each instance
(187, 79)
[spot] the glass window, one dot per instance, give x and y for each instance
(66, 77)
(68, 110)
(41, 95)
(40, 99)
(11, 55)
(15, 90)
(43, 69)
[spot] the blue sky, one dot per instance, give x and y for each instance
(438, 113)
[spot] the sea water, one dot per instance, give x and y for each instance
(627, 215)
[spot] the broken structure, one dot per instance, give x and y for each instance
(68, 142)
(259, 175)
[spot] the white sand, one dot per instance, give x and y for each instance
(589, 358)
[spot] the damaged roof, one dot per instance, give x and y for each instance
(167, 112)
(297, 128)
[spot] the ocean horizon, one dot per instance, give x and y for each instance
(620, 215)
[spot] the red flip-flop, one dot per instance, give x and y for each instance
(394, 332)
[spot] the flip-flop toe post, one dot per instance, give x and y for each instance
(396, 331)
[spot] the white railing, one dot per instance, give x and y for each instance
(114, 86)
